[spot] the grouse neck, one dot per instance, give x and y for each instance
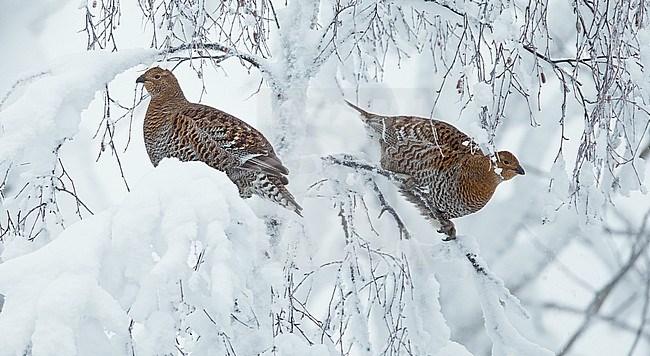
(479, 181)
(172, 98)
(480, 169)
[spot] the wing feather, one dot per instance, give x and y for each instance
(251, 150)
(414, 145)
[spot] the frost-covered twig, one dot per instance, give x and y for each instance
(376, 295)
(100, 28)
(72, 192)
(246, 23)
(23, 80)
(228, 52)
(447, 226)
(109, 132)
(386, 207)
(352, 162)
(33, 135)
(104, 256)
(554, 63)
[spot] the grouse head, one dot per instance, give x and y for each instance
(508, 165)
(157, 80)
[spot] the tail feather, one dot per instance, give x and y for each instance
(273, 189)
(376, 123)
(364, 113)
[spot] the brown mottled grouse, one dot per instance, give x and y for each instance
(175, 127)
(445, 174)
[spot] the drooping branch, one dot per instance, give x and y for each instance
(447, 227)
(227, 52)
(23, 80)
(352, 162)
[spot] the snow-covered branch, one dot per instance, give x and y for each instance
(183, 266)
(33, 134)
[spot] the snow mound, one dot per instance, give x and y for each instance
(179, 261)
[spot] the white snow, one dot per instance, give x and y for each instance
(482, 94)
(41, 119)
(558, 192)
(504, 27)
(183, 263)
(131, 263)
(48, 111)
(495, 298)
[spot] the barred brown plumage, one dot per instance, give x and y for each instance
(175, 127)
(446, 175)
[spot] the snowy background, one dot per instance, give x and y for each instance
(100, 253)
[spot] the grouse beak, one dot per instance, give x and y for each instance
(520, 170)
(141, 79)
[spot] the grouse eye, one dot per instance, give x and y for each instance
(506, 162)
(157, 76)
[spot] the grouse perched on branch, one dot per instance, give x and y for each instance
(175, 127)
(445, 174)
